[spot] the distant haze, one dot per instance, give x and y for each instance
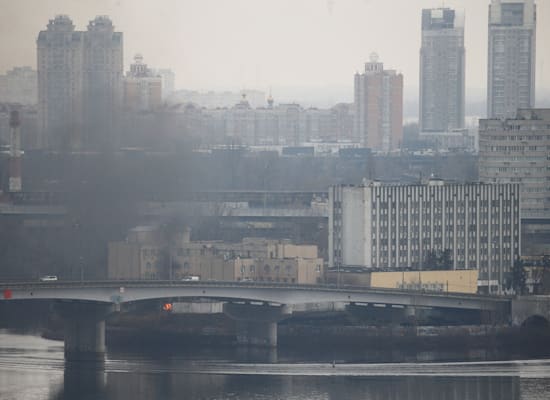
(301, 49)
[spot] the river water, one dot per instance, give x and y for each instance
(32, 368)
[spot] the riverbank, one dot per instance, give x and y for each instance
(334, 336)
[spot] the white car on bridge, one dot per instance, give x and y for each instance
(48, 278)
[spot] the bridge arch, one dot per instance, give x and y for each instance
(536, 321)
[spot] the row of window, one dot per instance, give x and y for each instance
(269, 279)
(522, 138)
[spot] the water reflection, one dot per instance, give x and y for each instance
(33, 368)
(84, 381)
(138, 386)
(256, 355)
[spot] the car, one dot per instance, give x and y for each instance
(191, 278)
(48, 278)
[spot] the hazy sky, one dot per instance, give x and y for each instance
(235, 44)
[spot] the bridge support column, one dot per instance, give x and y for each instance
(257, 333)
(410, 314)
(84, 330)
(256, 324)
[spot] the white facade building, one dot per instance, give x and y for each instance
(400, 226)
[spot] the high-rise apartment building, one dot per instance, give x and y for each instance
(60, 58)
(378, 98)
(142, 87)
(516, 150)
(442, 71)
(19, 85)
(79, 84)
(511, 58)
(102, 83)
(469, 226)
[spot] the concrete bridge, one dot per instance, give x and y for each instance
(257, 307)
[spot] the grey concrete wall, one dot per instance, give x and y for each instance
(529, 306)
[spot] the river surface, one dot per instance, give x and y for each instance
(32, 368)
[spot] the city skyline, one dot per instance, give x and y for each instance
(242, 45)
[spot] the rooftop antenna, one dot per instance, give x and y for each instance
(270, 99)
(542, 69)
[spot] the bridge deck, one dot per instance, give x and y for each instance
(129, 291)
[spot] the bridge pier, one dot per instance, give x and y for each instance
(256, 324)
(84, 329)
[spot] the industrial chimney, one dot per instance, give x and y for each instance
(15, 153)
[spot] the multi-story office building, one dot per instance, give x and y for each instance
(19, 85)
(378, 98)
(212, 99)
(516, 150)
(240, 123)
(511, 67)
(272, 125)
(442, 71)
(142, 88)
(168, 78)
(79, 84)
(146, 254)
(461, 226)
